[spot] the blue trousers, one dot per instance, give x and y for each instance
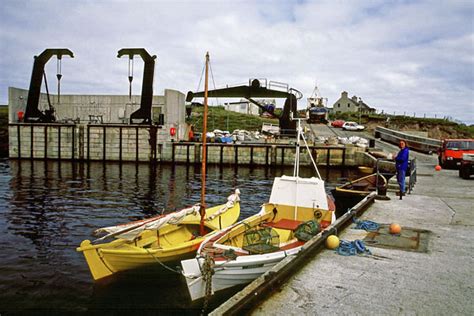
(401, 179)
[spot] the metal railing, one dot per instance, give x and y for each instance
(422, 144)
(411, 172)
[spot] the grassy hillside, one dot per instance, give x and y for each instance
(436, 128)
(219, 118)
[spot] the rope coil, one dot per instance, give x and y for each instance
(351, 248)
(207, 272)
(369, 226)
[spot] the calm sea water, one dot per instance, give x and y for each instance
(48, 208)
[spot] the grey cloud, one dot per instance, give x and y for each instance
(396, 55)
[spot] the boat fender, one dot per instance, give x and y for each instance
(275, 212)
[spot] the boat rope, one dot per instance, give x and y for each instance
(369, 226)
(200, 79)
(351, 248)
(162, 264)
(213, 82)
(207, 272)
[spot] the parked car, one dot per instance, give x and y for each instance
(337, 123)
(466, 169)
(352, 126)
(451, 151)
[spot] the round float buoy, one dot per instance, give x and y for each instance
(395, 228)
(172, 131)
(332, 242)
(438, 168)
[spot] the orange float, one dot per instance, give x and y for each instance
(438, 168)
(395, 228)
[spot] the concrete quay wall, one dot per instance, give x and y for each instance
(391, 281)
(147, 143)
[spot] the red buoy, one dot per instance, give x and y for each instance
(172, 131)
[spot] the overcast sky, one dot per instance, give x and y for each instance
(398, 56)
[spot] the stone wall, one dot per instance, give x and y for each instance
(125, 142)
(107, 109)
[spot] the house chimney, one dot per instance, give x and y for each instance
(343, 94)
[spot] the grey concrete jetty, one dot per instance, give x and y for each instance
(437, 281)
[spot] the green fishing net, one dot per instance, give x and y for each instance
(307, 230)
(260, 240)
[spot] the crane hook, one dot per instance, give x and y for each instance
(130, 76)
(59, 76)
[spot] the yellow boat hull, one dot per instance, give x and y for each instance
(168, 244)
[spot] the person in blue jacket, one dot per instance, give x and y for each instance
(401, 164)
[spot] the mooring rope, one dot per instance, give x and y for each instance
(162, 264)
(207, 271)
(351, 248)
(369, 226)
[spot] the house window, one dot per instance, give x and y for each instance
(339, 105)
(348, 105)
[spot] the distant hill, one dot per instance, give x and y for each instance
(219, 118)
(436, 128)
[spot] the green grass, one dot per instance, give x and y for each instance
(219, 118)
(444, 126)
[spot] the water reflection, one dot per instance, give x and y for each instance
(48, 208)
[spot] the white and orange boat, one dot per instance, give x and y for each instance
(298, 210)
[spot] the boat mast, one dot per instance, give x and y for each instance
(204, 149)
(296, 170)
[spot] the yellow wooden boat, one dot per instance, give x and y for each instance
(352, 192)
(162, 239)
(159, 240)
(363, 186)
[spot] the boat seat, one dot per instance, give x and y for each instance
(360, 186)
(288, 224)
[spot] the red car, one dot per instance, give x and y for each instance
(451, 151)
(337, 123)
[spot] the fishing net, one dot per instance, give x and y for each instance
(307, 230)
(261, 240)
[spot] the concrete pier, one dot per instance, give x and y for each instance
(437, 280)
(394, 282)
(149, 143)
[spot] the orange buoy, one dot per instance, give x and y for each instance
(438, 168)
(395, 228)
(332, 242)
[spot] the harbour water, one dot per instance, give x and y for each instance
(48, 208)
